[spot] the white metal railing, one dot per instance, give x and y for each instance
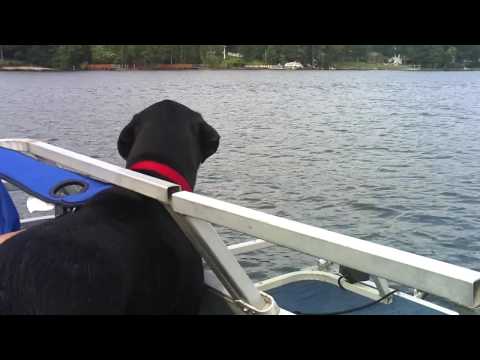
(97, 169)
(453, 282)
(248, 246)
(193, 212)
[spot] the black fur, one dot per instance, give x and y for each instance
(121, 253)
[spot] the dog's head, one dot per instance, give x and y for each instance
(169, 133)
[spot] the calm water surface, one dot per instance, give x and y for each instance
(390, 157)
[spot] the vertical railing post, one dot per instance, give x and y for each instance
(221, 260)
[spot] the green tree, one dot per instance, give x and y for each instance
(451, 54)
(211, 55)
(104, 54)
(68, 56)
(71, 56)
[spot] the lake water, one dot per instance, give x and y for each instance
(390, 157)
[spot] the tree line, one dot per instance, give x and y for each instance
(321, 56)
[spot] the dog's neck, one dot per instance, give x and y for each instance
(163, 171)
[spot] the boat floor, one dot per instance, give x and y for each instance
(316, 297)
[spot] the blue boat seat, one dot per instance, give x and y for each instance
(41, 180)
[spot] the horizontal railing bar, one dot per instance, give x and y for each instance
(453, 282)
(38, 218)
(249, 246)
(97, 169)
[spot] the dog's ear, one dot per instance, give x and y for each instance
(209, 140)
(126, 139)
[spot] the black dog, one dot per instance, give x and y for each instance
(122, 253)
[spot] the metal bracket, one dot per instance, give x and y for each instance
(270, 309)
(383, 288)
(419, 293)
(325, 265)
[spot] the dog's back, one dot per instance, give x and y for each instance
(121, 254)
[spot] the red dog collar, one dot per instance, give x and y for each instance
(163, 170)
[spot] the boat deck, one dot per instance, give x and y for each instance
(316, 297)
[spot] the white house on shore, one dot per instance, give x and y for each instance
(235, 55)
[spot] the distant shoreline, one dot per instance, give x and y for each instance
(339, 68)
